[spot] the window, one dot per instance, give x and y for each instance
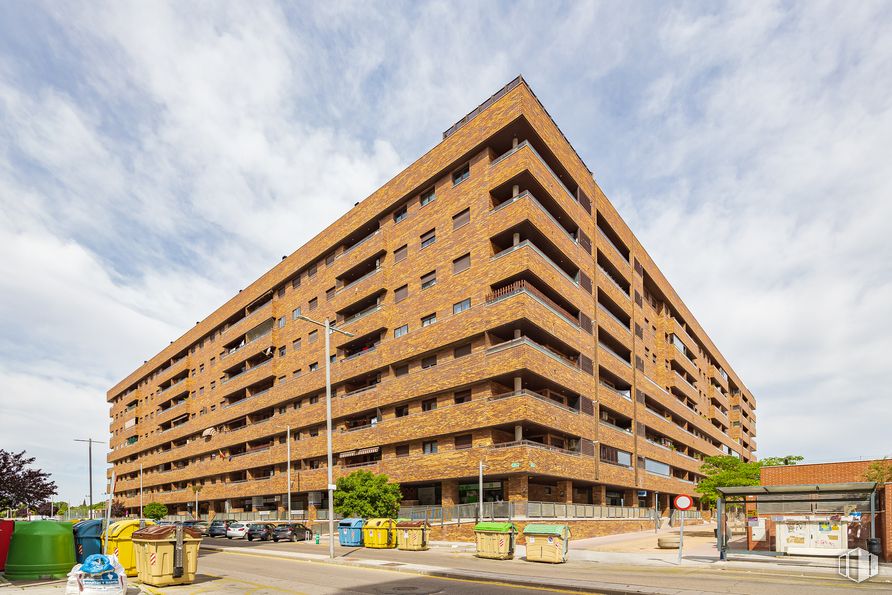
(402, 450)
(428, 238)
(461, 351)
(402, 410)
(427, 197)
(461, 306)
(401, 293)
(461, 174)
(200, 368)
(280, 323)
(462, 396)
(400, 331)
(615, 456)
(461, 219)
(329, 259)
(312, 337)
(429, 279)
(400, 214)
(428, 362)
(429, 319)
(462, 263)
(314, 399)
(430, 447)
(429, 404)
(400, 253)
(281, 351)
(295, 313)
(311, 272)
(656, 467)
(314, 366)
(330, 293)
(463, 442)
(401, 370)
(295, 374)
(314, 303)
(295, 283)
(295, 345)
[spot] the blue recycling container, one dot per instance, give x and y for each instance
(350, 532)
(87, 539)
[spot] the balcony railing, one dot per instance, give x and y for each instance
(534, 444)
(235, 350)
(626, 394)
(526, 287)
(246, 370)
(250, 316)
(532, 246)
(527, 194)
(359, 315)
(177, 383)
(527, 341)
(359, 353)
(612, 280)
(603, 309)
(358, 280)
(612, 245)
(610, 351)
(358, 244)
(541, 160)
(535, 395)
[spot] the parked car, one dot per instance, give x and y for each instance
(291, 532)
(201, 527)
(236, 530)
(260, 531)
(218, 528)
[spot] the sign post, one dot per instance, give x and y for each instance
(682, 503)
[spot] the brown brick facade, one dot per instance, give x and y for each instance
(501, 310)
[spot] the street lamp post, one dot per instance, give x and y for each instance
(328, 330)
(90, 442)
(288, 468)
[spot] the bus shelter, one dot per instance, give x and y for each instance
(798, 520)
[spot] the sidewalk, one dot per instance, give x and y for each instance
(586, 571)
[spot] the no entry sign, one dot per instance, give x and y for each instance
(683, 502)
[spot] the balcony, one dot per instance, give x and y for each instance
(361, 308)
(613, 276)
(249, 365)
(550, 397)
(350, 247)
(533, 444)
(178, 381)
(250, 338)
(526, 145)
(623, 254)
(523, 286)
(359, 273)
(552, 353)
(525, 235)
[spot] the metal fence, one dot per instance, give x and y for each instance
(524, 509)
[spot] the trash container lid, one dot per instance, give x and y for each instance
(165, 533)
(131, 525)
(496, 527)
(379, 523)
(546, 529)
(350, 523)
(88, 528)
(412, 524)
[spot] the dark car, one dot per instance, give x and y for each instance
(218, 528)
(291, 532)
(259, 531)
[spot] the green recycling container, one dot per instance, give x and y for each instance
(40, 550)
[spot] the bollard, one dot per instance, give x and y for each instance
(317, 539)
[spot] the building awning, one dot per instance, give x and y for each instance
(814, 488)
(209, 432)
(362, 451)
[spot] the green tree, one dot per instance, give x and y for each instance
(879, 471)
(20, 485)
(155, 510)
(367, 495)
(725, 471)
(781, 461)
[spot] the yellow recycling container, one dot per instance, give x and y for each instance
(166, 555)
(495, 540)
(412, 535)
(120, 543)
(379, 533)
(547, 543)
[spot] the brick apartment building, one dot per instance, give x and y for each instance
(501, 310)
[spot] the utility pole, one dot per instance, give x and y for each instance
(90, 442)
(140, 490)
(331, 486)
(288, 456)
(480, 492)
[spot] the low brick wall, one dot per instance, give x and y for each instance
(579, 529)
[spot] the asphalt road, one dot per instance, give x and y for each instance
(233, 573)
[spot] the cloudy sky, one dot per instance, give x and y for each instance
(155, 158)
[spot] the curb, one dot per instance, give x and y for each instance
(461, 575)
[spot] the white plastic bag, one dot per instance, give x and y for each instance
(110, 582)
